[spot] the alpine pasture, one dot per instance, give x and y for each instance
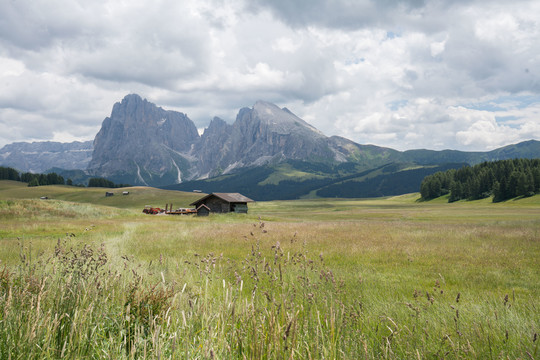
(88, 276)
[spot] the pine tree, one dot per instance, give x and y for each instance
(536, 178)
(455, 192)
(497, 193)
(34, 182)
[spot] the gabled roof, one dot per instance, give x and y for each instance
(228, 197)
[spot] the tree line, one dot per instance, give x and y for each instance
(101, 182)
(503, 179)
(7, 173)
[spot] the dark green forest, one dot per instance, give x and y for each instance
(7, 173)
(101, 182)
(503, 179)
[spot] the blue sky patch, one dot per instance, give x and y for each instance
(504, 103)
(396, 105)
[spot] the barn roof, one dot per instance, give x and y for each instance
(228, 197)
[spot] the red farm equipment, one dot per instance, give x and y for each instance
(151, 210)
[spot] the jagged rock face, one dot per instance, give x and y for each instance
(366, 155)
(38, 157)
(212, 147)
(268, 130)
(262, 134)
(141, 143)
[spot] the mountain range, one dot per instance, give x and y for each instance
(38, 157)
(267, 153)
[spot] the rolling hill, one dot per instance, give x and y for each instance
(300, 179)
(138, 197)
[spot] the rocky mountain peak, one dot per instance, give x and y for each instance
(129, 104)
(143, 139)
(131, 99)
(282, 120)
(261, 134)
(216, 126)
(141, 143)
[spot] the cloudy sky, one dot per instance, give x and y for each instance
(405, 74)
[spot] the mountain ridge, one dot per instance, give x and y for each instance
(38, 157)
(142, 144)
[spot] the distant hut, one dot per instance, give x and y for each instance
(223, 203)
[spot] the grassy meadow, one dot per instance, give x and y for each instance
(85, 276)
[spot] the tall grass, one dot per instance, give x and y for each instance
(278, 301)
(323, 280)
(28, 210)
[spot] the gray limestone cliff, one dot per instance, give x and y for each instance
(261, 134)
(38, 157)
(141, 143)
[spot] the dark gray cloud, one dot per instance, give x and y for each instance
(341, 14)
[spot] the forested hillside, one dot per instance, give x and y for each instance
(295, 179)
(52, 178)
(504, 179)
(7, 173)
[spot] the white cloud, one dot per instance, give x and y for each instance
(437, 47)
(285, 45)
(10, 68)
(481, 130)
(404, 75)
(64, 136)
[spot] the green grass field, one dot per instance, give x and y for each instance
(85, 276)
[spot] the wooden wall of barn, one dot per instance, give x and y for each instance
(217, 205)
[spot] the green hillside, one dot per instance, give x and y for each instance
(295, 179)
(371, 171)
(526, 150)
(138, 196)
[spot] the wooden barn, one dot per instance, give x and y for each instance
(223, 203)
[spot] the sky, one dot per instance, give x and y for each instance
(411, 74)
